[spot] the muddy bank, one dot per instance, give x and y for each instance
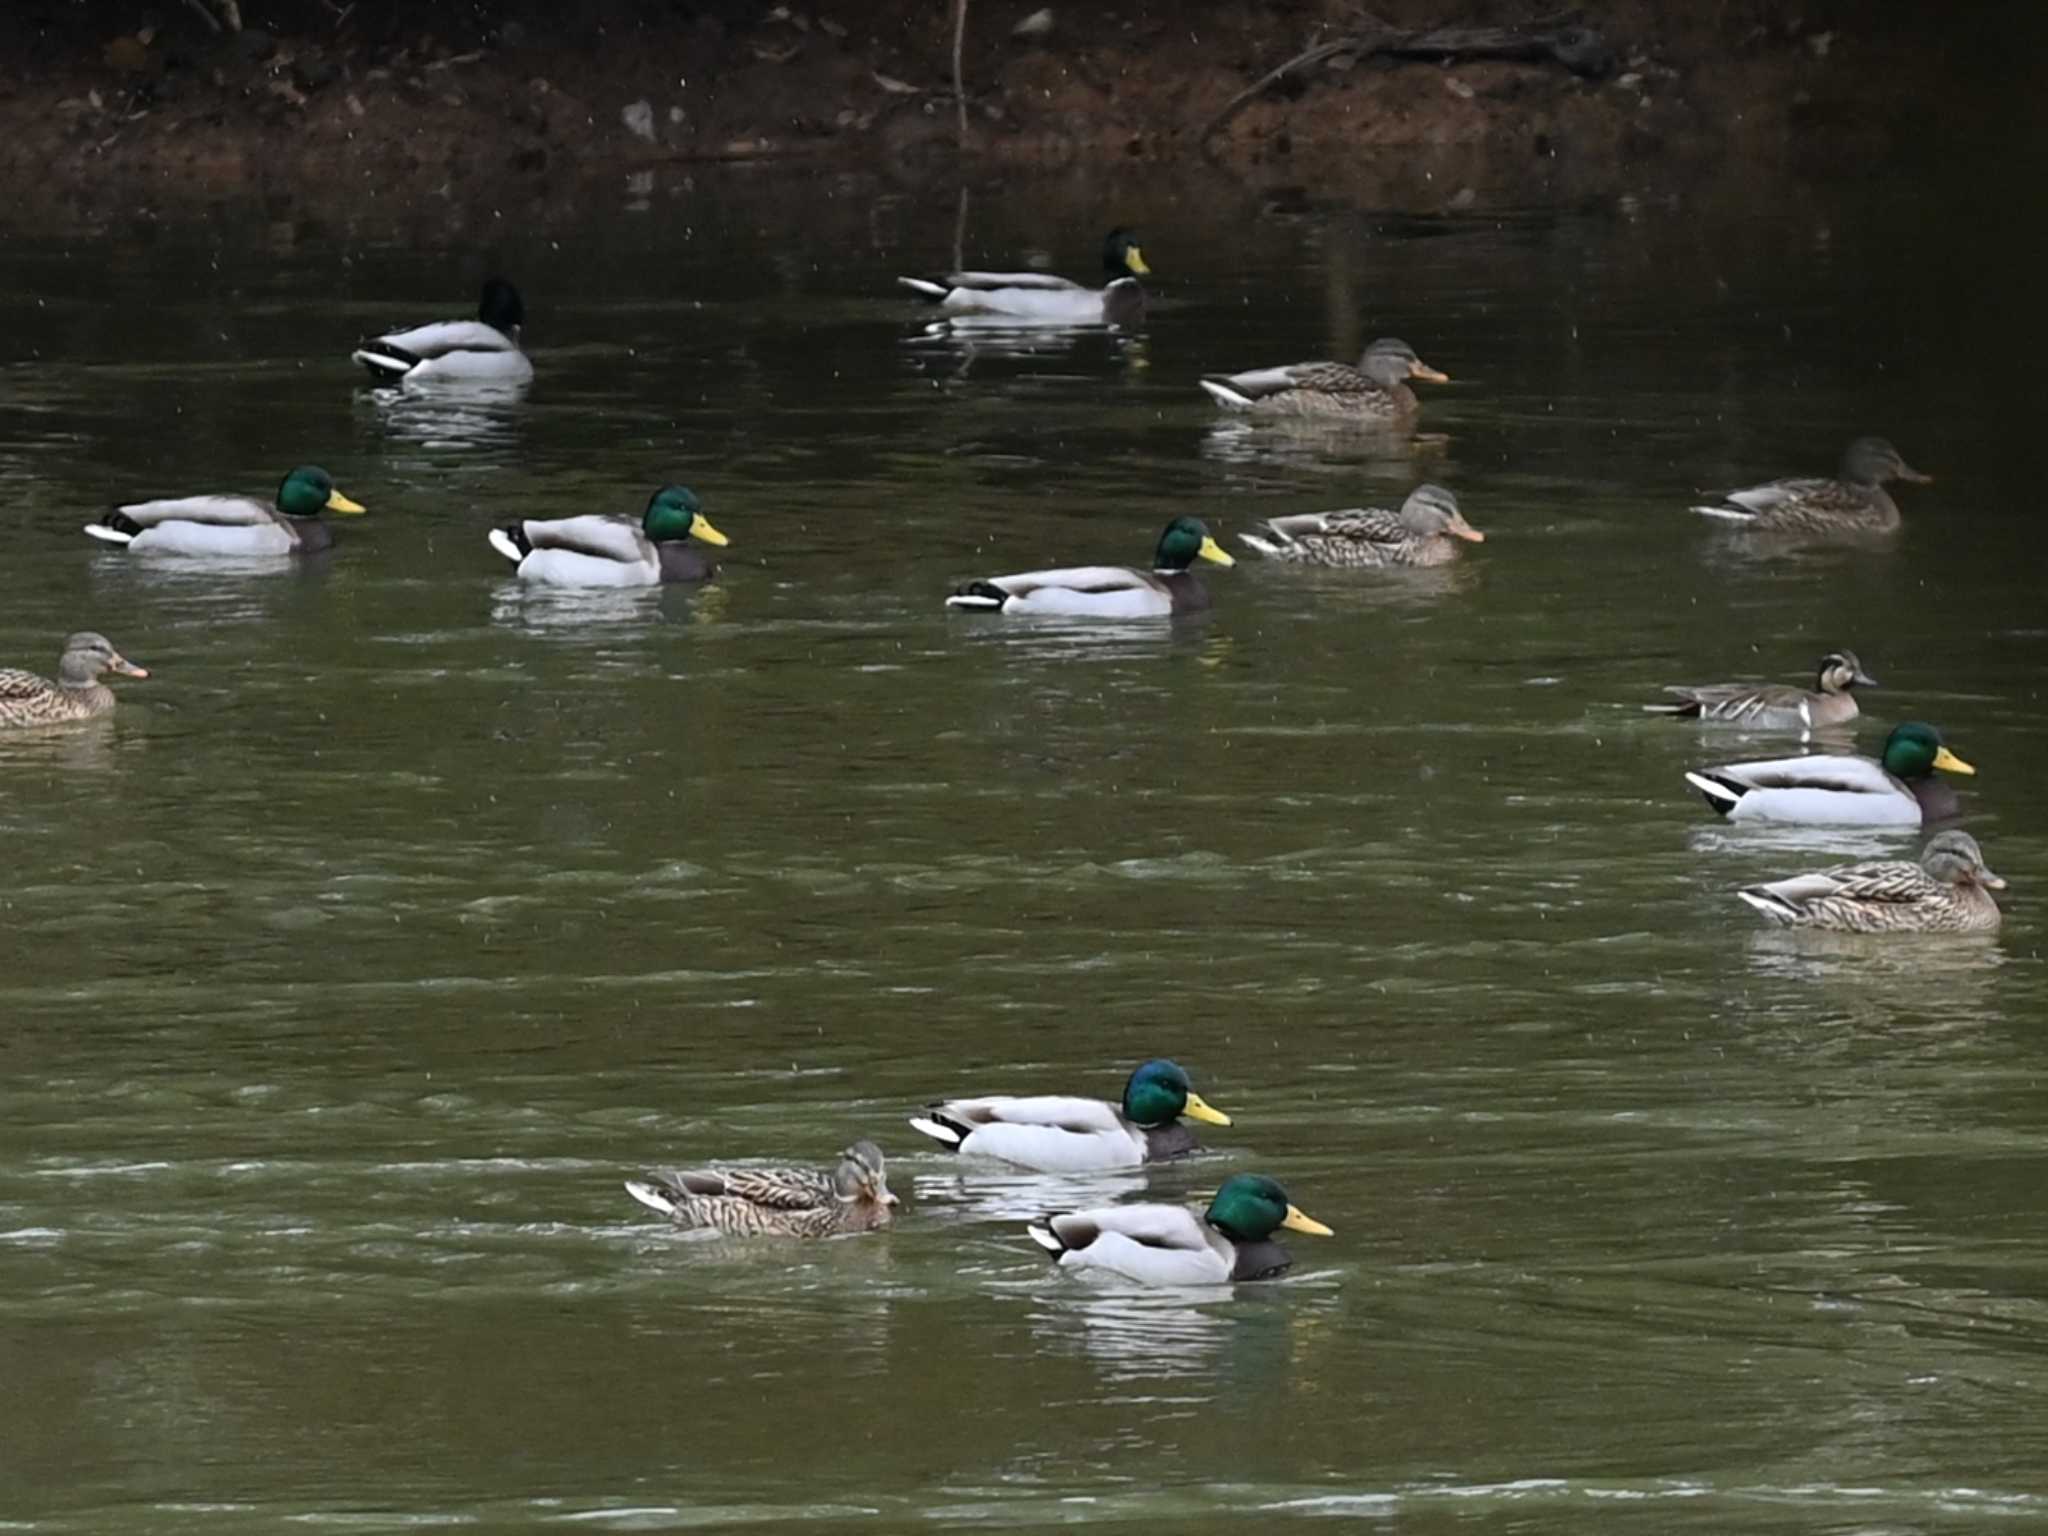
(119, 108)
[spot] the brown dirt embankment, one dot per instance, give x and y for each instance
(119, 106)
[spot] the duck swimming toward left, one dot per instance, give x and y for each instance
(78, 694)
(480, 351)
(232, 525)
(854, 1196)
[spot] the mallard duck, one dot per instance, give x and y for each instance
(1854, 502)
(1375, 393)
(480, 351)
(78, 694)
(775, 1202)
(1057, 1134)
(597, 550)
(232, 525)
(1426, 531)
(1775, 706)
(1178, 1245)
(1109, 591)
(1038, 298)
(1948, 891)
(1896, 790)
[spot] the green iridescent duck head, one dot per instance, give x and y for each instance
(673, 513)
(1185, 541)
(1914, 750)
(308, 491)
(1121, 256)
(1250, 1208)
(1159, 1093)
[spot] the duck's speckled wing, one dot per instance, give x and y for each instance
(785, 1189)
(1833, 773)
(1042, 281)
(1320, 378)
(603, 537)
(443, 338)
(1741, 703)
(215, 511)
(17, 686)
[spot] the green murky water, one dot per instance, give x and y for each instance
(401, 913)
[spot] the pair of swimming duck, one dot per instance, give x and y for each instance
(1153, 1244)
(1428, 530)
(1374, 393)
(592, 550)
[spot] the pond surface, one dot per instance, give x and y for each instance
(401, 913)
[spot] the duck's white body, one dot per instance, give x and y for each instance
(1838, 789)
(1048, 1132)
(1167, 1245)
(593, 550)
(1032, 298)
(202, 525)
(445, 352)
(1092, 591)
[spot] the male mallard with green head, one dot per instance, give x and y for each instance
(1055, 1133)
(232, 525)
(601, 550)
(1853, 502)
(1428, 530)
(27, 699)
(1108, 591)
(1039, 298)
(852, 1196)
(1776, 706)
(1947, 891)
(1896, 790)
(1178, 1245)
(480, 351)
(1375, 393)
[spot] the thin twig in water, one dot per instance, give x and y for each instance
(212, 22)
(960, 42)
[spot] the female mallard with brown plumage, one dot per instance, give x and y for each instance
(1375, 393)
(1426, 531)
(775, 1202)
(1948, 891)
(1776, 706)
(1855, 501)
(27, 699)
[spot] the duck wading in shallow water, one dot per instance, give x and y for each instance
(598, 550)
(232, 525)
(776, 1202)
(1057, 1134)
(1774, 706)
(1855, 501)
(1896, 790)
(1426, 531)
(1948, 891)
(1178, 1245)
(1039, 298)
(480, 351)
(1375, 393)
(27, 699)
(1109, 591)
